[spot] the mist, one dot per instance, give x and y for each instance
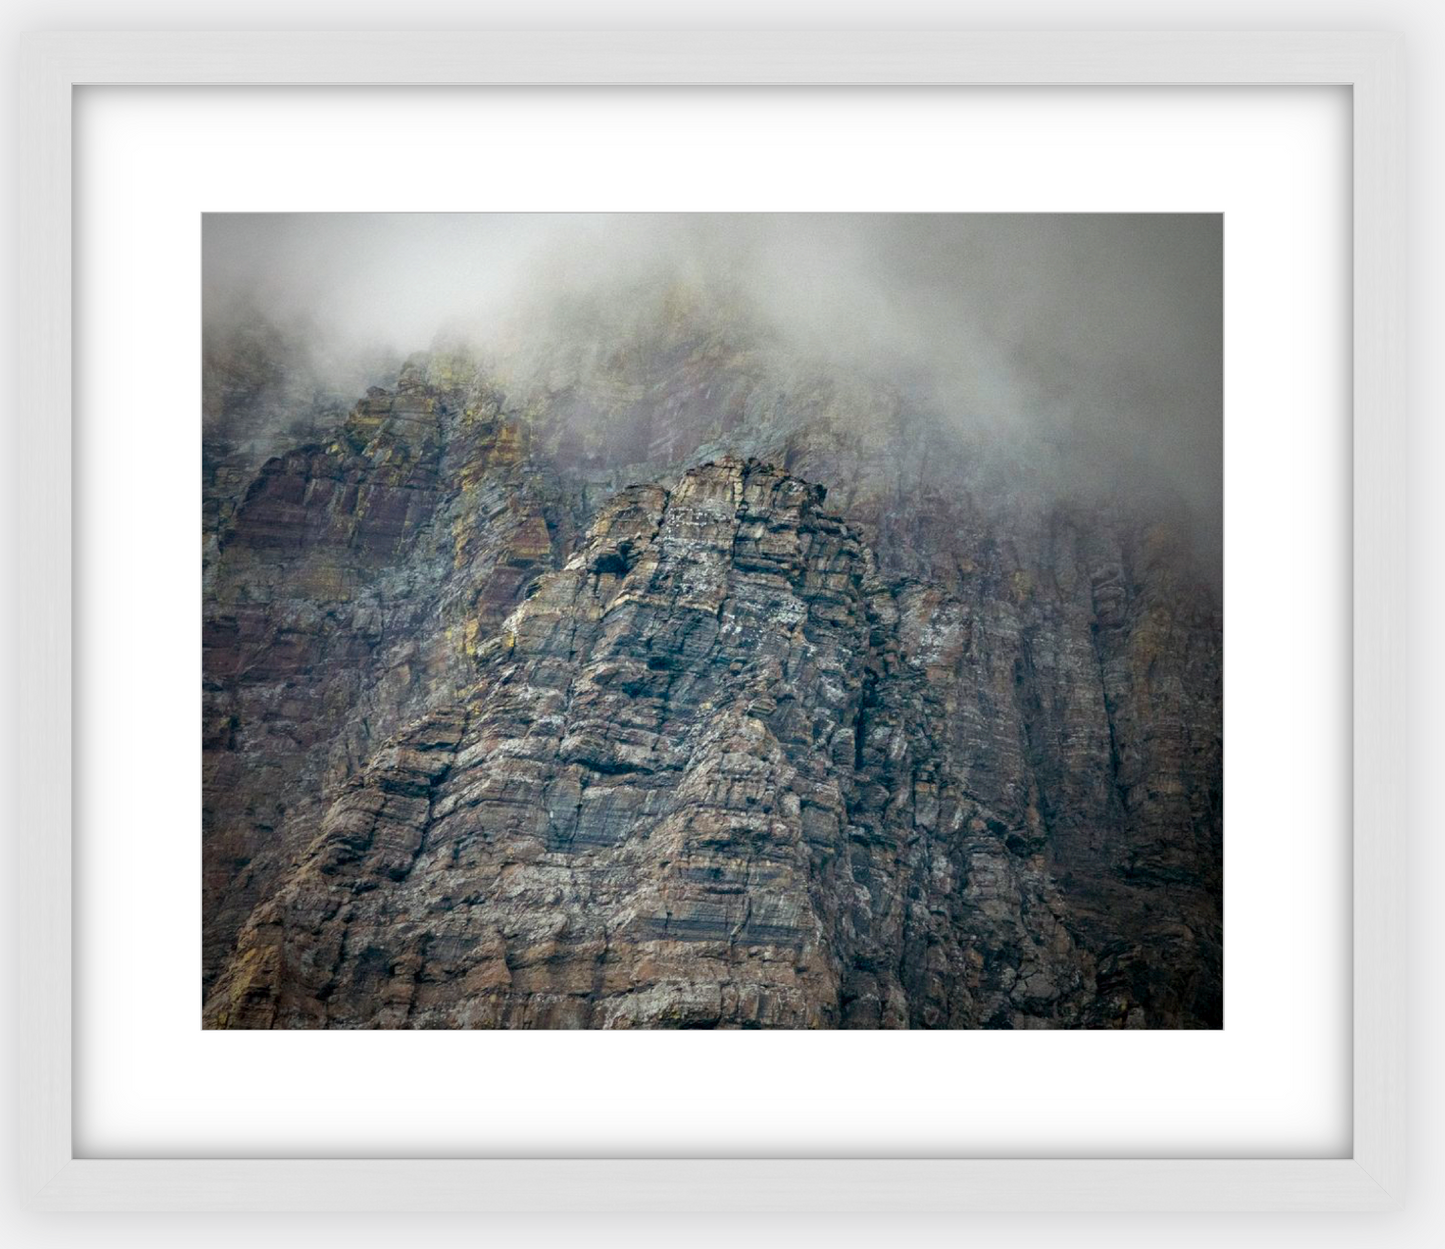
(1101, 335)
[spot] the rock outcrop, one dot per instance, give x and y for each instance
(510, 728)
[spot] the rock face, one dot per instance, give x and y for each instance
(529, 708)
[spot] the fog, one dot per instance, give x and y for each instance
(1098, 331)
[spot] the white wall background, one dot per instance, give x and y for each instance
(1421, 20)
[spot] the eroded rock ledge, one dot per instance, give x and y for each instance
(716, 771)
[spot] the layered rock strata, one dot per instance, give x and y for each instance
(673, 681)
(716, 771)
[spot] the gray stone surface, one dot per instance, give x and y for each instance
(689, 688)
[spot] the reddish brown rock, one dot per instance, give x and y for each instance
(527, 706)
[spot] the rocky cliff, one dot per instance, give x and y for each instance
(679, 684)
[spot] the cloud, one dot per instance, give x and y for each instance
(1101, 334)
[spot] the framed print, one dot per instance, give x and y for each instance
(656, 579)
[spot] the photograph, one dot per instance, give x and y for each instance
(712, 621)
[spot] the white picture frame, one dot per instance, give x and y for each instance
(1369, 65)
